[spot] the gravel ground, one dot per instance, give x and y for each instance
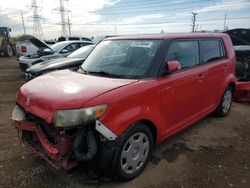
(215, 152)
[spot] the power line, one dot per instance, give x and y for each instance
(217, 14)
(136, 11)
(153, 4)
(148, 2)
(163, 8)
(158, 23)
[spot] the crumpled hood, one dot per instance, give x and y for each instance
(63, 90)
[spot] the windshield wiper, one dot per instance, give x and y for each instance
(103, 73)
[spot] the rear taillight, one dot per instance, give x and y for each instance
(23, 49)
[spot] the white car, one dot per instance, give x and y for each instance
(60, 49)
(29, 45)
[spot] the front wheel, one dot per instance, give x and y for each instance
(225, 103)
(134, 152)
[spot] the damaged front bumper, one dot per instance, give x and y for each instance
(58, 145)
(58, 154)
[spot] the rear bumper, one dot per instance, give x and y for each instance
(57, 154)
(242, 93)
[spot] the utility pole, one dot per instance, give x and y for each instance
(24, 30)
(196, 27)
(69, 26)
(37, 28)
(62, 11)
(193, 21)
(225, 21)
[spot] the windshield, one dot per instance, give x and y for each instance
(82, 52)
(57, 47)
(122, 58)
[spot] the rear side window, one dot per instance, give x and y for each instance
(212, 50)
(186, 52)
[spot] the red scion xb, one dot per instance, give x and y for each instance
(131, 93)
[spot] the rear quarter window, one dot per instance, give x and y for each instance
(212, 50)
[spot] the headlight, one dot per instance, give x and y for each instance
(67, 118)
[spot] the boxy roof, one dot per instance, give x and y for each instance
(168, 36)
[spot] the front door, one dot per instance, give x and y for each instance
(182, 92)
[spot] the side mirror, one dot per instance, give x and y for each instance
(64, 51)
(173, 66)
(45, 51)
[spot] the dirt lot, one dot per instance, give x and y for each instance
(215, 152)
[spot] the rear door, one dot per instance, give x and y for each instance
(182, 92)
(216, 64)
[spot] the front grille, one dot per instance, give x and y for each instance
(48, 129)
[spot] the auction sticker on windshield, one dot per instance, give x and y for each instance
(141, 44)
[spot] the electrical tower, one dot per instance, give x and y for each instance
(69, 26)
(37, 28)
(24, 29)
(193, 22)
(63, 12)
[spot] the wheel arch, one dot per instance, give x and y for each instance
(152, 128)
(232, 85)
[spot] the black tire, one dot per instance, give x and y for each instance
(7, 49)
(223, 109)
(141, 130)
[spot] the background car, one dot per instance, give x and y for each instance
(241, 42)
(28, 45)
(62, 38)
(60, 49)
(73, 60)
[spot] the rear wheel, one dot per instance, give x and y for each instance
(134, 152)
(7, 49)
(225, 103)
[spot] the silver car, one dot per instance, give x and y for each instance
(60, 49)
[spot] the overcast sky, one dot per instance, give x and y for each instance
(95, 17)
